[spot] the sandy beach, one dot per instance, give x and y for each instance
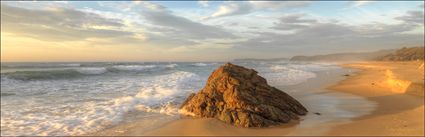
(212, 68)
(370, 100)
(398, 90)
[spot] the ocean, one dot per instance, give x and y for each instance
(80, 97)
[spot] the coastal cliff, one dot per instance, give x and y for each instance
(337, 57)
(404, 54)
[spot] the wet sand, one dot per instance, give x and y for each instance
(346, 105)
(400, 109)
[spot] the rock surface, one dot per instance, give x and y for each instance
(239, 96)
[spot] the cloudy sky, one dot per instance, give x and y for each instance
(203, 30)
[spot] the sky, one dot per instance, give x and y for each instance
(42, 31)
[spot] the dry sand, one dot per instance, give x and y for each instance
(382, 98)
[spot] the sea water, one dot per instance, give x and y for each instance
(78, 98)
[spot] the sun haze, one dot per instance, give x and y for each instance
(202, 31)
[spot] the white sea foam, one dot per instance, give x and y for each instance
(159, 94)
(80, 105)
(291, 74)
(283, 75)
(314, 66)
(200, 64)
(70, 65)
(278, 67)
(163, 95)
(134, 67)
(171, 65)
(98, 70)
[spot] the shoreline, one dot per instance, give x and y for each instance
(398, 112)
(317, 92)
(310, 122)
(347, 105)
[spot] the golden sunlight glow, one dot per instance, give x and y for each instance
(15, 48)
(396, 85)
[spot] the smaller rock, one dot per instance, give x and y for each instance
(317, 113)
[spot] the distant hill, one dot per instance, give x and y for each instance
(254, 59)
(362, 56)
(404, 54)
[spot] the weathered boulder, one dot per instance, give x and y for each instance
(239, 96)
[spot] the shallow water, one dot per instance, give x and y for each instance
(78, 98)
(331, 109)
(327, 109)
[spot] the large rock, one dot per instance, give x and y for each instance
(239, 96)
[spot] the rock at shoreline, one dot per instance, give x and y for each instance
(239, 96)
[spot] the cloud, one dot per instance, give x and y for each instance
(178, 27)
(241, 8)
(293, 22)
(321, 37)
(314, 34)
(278, 4)
(412, 17)
(59, 24)
(154, 7)
(158, 26)
(156, 30)
(360, 3)
(296, 18)
(203, 3)
(231, 9)
(38, 4)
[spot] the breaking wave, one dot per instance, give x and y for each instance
(46, 106)
(199, 64)
(133, 67)
(283, 75)
(43, 75)
(161, 94)
(67, 73)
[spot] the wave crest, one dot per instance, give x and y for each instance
(79, 72)
(200, 64)
(43, 75)
(134, 67)
(93, 71)
(160, 94)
